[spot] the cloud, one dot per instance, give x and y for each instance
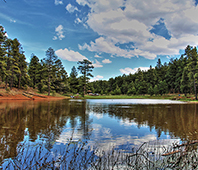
(70, 8)
(98, 77)
(97, 64)
(128, 70)
(59, 33)
(58, 2)
(70, 55)
(78, 21)
(120, 22)
(97, 56)
(11, 20)
(55, 38)
(106, 61)
(108, 46)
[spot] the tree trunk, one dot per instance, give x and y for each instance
(195, 88)
(6, 82)
(48, 85)
(84, 89)
(19, 85)
(11, 82)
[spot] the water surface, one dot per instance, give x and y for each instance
(118, 123)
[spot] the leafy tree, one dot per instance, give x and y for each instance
(85, 67)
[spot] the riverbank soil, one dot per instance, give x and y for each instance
(30, 94)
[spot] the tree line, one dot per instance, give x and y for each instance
(179, 75)
(46, 75)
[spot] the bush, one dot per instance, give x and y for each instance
(25, 87)
(8, 89)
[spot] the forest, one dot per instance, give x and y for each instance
(179, 75)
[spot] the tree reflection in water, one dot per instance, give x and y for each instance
(46, 121)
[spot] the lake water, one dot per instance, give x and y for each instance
(118, 123)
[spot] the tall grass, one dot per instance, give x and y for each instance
(77, 155)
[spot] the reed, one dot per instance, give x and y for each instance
(78, 155)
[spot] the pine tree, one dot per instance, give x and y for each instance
(50, 63)
(33, 70)
(23, 76)
(192, 66)
(60, 77)
(184, 81)
(85, 68)
(74, 83)
(2, 53)
(15, 70)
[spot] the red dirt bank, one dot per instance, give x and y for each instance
(16, 94)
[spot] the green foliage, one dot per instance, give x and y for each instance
(117, 91)
(131, 91)
(8, 89)
(179, 75)
(192, 66)
(156, 90)
(73, 80)
(85, 67)
(150, 90)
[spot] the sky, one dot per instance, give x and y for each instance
(117, 36)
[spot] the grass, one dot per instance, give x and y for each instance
(166, 96)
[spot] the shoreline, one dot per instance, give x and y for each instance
(20, 95)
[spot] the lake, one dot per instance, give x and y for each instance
(102, 123)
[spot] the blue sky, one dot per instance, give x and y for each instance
(118, 36)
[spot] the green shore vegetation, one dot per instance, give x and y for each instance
(179, 97)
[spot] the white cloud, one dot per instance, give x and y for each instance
(128, 70)
(77, 21)
(70, 8)
(70, 55)
(118, 26)
(98, 77)
(12, 20)
(59, 33)
(106, 61)
(97, 56)
(55, 38)
(105, 45)
(97, 64)
(58, 2)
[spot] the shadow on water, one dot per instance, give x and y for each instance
(33, 128)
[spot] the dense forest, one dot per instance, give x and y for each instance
(177, 76)
(180, 75)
